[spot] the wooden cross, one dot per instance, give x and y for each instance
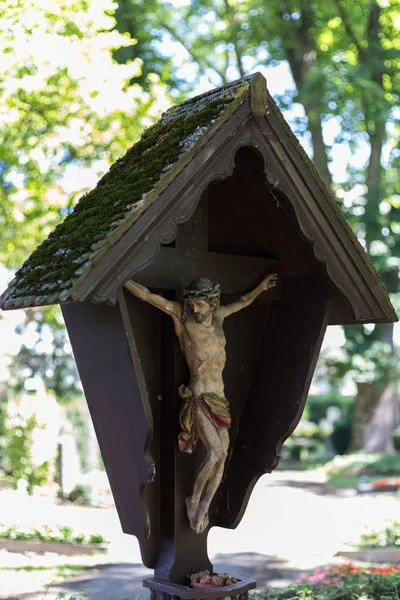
(175, 268)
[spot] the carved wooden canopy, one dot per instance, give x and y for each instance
(134, 240)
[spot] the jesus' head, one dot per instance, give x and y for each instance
(201, 298)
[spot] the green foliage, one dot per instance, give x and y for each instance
(3, 414)
(17, 444)
(81, 434)
(53, 362)
(62, 534)
(366, 357)
(61, 128)
(396, 438)
(55, 112)
(140, 20)
(307, 439)
(317, 409)
(388, 537)
(360, 463)
(344, 583)
(317, 405)
(80, 492)
(308, 430)
(341, 436)
(74, 596)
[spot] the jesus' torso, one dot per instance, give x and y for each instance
(204, 350)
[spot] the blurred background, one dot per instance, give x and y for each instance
(79, 81)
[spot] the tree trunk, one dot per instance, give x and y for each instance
(320, 152)
(366, 401)
(376, 411)
(376, 414)
(378, 432)
(302, 59)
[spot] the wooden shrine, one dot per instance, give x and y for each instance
(218, 188)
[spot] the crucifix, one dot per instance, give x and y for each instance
(205, 412)
(196, 343)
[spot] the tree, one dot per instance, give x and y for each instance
(344, 58)
(67, 111)
(137, 19)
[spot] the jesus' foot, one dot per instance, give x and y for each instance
(201, 522)
(191, 512)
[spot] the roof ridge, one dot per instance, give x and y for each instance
(211, 92)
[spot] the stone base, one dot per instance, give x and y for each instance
(165, 590)
(374, 555)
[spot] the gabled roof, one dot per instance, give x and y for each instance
(103, 215)
(71, 262)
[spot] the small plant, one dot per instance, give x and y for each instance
(361, 463)
(396, 438)
(17, 444)
(50, 534)
(388, 537)
(75, 596)
(81, 493)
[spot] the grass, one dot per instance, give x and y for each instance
(361, 463)
(348, 481)
(60, 571)
(57, 533)
(312, 462)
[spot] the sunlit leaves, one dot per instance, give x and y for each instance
(67, 111)
(63, 101)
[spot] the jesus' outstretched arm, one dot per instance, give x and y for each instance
(268, 282)
(172, 308)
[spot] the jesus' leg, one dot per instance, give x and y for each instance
(209, 436)
(213, 483)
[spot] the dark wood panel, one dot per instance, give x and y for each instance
(182, 550)
(99, 343)
(143, 328)
(285, 365)
(194, 232)
(249, 218)
(244, 333)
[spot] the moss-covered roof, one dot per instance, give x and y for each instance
(63, 259)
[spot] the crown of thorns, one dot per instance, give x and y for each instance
(202, 289)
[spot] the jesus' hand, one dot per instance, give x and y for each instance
(269, 281)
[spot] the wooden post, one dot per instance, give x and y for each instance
(182, 550)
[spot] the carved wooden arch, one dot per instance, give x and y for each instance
(167, 232)
(320, 222)
(179, 211)
(316, 220)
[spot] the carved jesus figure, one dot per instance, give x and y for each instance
(204, 413)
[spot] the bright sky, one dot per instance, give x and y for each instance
(76, 178)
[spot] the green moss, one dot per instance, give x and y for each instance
(55, 264)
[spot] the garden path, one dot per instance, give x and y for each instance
(293, 523)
